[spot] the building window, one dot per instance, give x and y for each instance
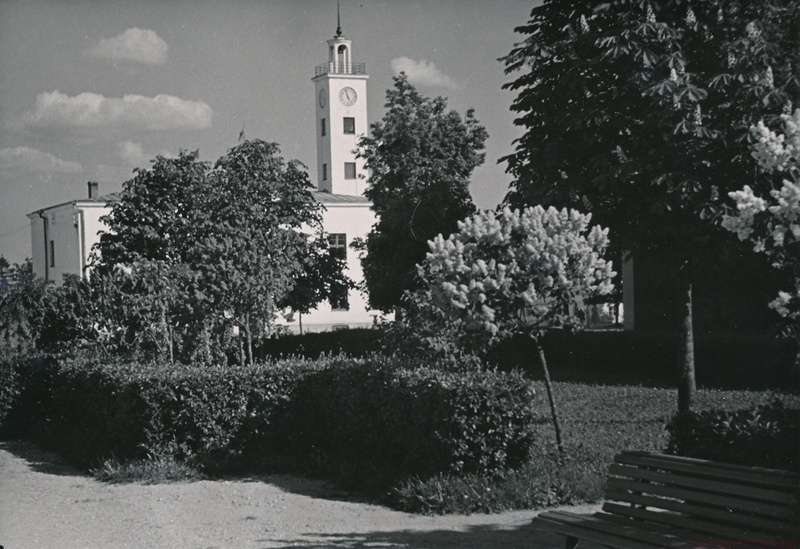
(349, 170)
(324, 172)
(349, 125)
(52, 253)
(338, 247)
(324, 127)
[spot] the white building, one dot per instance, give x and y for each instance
(62, 236)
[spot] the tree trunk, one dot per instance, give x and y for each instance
(687, 385)
(167, 333)
(249, 338)
(207, 341)
(241, 346)
(300, 320)
(171, 344)
(549, 386)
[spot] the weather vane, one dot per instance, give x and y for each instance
(338, 20)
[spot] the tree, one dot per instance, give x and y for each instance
(22, 302)
(772, 224)
(420, 158)
(516, 272)
(637, 110)
(155, 216)
(216, 248)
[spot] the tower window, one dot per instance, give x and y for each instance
(349, 125)
(324, 127)
(338, 295)
(349, 170)
(324, 172)
(52, 253)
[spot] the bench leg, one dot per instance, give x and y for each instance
(572, 542)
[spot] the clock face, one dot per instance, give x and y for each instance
(347, 96)
(322, 98)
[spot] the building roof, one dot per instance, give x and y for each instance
(105, 199)
(330, 198)
(319, 196)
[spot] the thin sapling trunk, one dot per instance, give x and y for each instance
(550, 398)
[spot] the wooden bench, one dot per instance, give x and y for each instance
(657, 500)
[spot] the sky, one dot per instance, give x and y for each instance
(91, 89)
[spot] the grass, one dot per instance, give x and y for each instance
(597, 423)
(152, 470)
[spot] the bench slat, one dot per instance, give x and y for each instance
(596, 529)
(757, 524)
(782, 512)
(756, 476)
(662, 521)
(689, 481)
(693, 503)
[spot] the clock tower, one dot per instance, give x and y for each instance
(341, 107)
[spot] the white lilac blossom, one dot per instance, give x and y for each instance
(772, 224)
(506, 269)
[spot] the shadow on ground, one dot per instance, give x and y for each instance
(477, 537)
(40, 460)
(50, 463)
(305, 486)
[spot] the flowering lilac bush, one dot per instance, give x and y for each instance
(772, 224)
(515, 272)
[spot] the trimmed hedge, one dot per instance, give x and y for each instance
(210, 417)
(379, 423)
(22, 392)
(766, 436)
(617, 357)
(369, 423)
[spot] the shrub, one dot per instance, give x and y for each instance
(766, 436)
(10, 389)
(375, 423)
(210, 417)
(615, 357)
(367, 419)
(354, 342)
(23, 393)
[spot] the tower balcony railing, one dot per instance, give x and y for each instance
(340, 68)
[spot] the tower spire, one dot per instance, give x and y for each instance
(338, 20)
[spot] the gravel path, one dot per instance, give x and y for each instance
(45, 504)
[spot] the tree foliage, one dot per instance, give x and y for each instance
(419, 157)
(638, 111)
(193, 251)
(22, 302)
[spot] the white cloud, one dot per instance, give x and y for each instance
(131, 152)
(138, 45)
(422, 73)
(91, 110)
(27, 159)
